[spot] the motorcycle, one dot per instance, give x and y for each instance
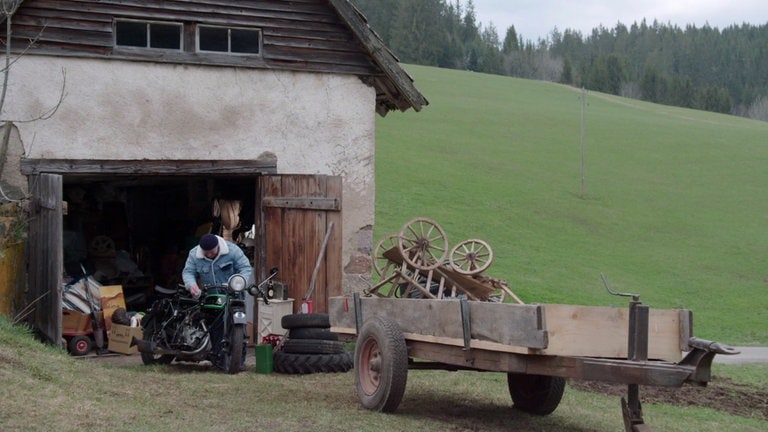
(177, 326)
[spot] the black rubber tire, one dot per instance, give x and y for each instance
(312, 333)
(313, 346)
(535, 394)
(381, 363)
(149, 358)
(80, 345)
(315, 320)
(289, 363)
(233, 355)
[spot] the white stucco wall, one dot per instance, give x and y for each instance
(313, 123)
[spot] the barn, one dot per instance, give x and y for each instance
(134, 126)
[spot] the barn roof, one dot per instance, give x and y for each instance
(395, 88)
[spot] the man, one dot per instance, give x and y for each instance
(212, 262)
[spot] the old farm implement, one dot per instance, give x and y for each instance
(432, 308)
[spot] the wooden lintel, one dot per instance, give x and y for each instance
(310, 203)
(150, 167)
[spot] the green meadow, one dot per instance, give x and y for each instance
(673, 205)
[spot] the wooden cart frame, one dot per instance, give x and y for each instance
(538, 346)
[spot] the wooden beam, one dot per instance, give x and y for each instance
(144, 166)
(305, 203)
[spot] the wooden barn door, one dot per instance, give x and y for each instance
(46, 256)
(298, 213)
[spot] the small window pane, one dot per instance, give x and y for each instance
(166, 36)
(131, 33)
(245, 41)
(213, 39)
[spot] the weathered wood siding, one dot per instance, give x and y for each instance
(304, 35)
(295, 220)
(46, 256)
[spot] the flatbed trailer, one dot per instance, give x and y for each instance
(539, 346)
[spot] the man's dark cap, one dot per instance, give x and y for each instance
(208, 242)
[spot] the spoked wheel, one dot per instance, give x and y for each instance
(381, 364)
(423, 244)
(471, 257)
(150, 358)
(233, 353)
(102, 246)
(380, 262)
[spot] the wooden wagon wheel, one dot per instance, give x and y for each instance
(102, 246)
(471, 257)
(423, 244)
(379, 260)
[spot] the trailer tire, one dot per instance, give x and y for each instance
(300, 320)
(289, 363)
(535, 394)
(381, 362)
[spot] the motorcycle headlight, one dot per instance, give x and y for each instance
(236, 283)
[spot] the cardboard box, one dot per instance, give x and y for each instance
(120, 338)
(112, 298)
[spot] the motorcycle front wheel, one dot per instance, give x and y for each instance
(150, 327)
(233, 354)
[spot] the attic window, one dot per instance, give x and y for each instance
(229, 40)
(143, 34)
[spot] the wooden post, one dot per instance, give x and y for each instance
(583, 127)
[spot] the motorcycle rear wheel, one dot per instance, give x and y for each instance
(150, 358)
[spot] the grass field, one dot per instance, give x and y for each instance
(45, 389)
(674, 210)
(675, 204)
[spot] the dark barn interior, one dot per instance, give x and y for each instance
(137, 231)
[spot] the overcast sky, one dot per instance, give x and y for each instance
(534, 19)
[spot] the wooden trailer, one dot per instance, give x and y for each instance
(538, 346)
(434, 309)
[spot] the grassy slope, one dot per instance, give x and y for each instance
(675, 206)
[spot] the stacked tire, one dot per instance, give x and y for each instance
(311, 347)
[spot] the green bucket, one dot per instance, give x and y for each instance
(264, 358)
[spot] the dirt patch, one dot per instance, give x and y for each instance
(721, 394)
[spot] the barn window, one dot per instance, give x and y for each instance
(143, 34)
(229, 40)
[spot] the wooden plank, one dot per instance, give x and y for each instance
(334, 266)
(602, 332)
(144, 166)
(308, 203)
(504, 324)
(560, 330)
(46, 255)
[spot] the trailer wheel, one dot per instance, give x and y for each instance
(535, 394)
(381, 362)
(80, 345)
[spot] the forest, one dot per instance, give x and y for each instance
(706, 68)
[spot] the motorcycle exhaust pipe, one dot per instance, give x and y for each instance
(150, 347)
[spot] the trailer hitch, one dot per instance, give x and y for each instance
(699, 360)
(637, 350)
